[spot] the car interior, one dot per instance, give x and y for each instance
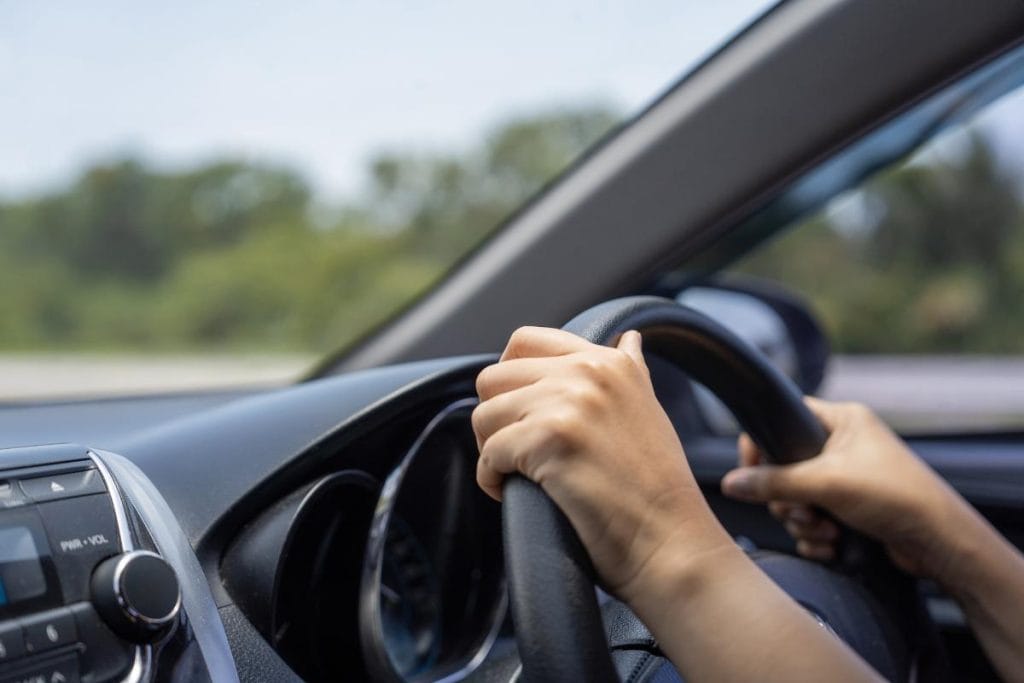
(332, 529)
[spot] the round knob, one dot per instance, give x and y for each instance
(137, 594)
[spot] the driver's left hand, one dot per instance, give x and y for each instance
(582, 421)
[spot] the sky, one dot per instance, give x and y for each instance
(319, 85)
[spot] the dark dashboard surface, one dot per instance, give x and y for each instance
(196, 473)
(204, 451)
(102, 421)
(221, 466)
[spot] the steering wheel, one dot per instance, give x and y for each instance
(553, 601)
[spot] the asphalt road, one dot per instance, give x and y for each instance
(42, 376)
(933, 392)
(914, 392)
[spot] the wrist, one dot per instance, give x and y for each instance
(683, 567)
(965, 552)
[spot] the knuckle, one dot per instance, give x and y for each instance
(585, 364)
(620, 364)
(525, 461)
(484, 464)
(484, 380)
(496, 458)
(543, 471)
(584, 396)
(599, 368)
(518, 334)
(857, 410)
(595, 363)
(521, 335)
(476, 418)
(563, 428)
(622, 360)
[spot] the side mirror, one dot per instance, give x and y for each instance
(776, 322)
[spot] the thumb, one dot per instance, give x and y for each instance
(762, 483)
(631, 343)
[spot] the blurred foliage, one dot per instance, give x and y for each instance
(238, 255)
(927, 257)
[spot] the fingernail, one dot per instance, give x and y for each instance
(801, 515)
(737, 483)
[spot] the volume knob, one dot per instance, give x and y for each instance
(137, 594)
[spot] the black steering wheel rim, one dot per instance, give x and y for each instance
(551, 581)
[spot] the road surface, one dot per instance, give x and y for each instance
(913, 392)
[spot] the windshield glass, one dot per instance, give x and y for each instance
(204, 195)
(914, 271)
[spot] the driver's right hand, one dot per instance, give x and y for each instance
(867, 478)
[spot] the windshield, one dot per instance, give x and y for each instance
(205, 195)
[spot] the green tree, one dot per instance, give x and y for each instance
(936, 269)
(228, 255)
(448, 202)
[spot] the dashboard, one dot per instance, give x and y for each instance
(399, 559)
(323, 531)
(89, 590)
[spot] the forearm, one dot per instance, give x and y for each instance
(719, 618)
(988, 583)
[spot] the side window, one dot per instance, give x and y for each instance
(917, 277)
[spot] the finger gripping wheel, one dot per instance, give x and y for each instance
(551, 581)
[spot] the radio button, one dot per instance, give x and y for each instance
(49, 630)
(63, 670)
(105, 657)
(12, 642)
(58, 486)
(82, 532)
(138, 595)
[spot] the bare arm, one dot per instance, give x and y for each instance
(989, 586)
(699, 601)
(869, 479)
(582, 421)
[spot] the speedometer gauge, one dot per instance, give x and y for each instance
(410, 602)
(432, 595)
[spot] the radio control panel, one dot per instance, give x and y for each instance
(78, 603)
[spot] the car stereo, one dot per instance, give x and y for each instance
(78, 600)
